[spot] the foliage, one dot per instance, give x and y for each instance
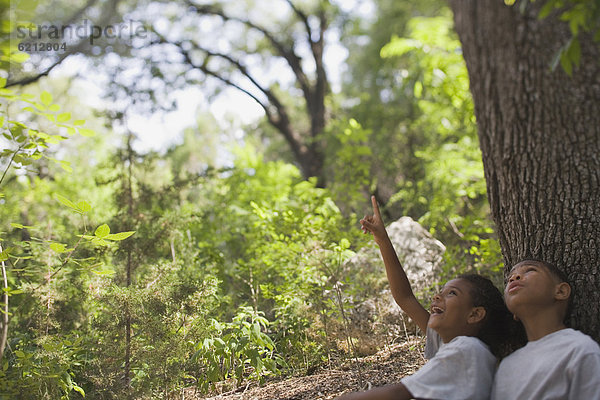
(43, 369)
(582, 16)
(237, 346)
(378, 93)
(452, 192)
(168, 317)
(25, 144)
(277, 250)
(38, 365)
(349, 163)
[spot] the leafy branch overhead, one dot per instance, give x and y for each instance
(25, 144)
(582, 17)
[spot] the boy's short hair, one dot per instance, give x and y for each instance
(558, 274)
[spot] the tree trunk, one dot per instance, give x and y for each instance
(130, 160)
(539, 133)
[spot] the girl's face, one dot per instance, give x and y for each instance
(452, 311)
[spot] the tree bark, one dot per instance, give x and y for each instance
(539, 133)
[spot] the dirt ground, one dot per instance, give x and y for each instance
(385, 367)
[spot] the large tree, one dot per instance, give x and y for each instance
(539, 131)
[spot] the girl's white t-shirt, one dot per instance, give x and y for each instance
(462, 369)
(433, 341)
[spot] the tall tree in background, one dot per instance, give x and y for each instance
(217, 44)
(539, 133)
(298, 40)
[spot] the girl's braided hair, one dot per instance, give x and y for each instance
(498, 330)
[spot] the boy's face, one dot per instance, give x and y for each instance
(530, 285)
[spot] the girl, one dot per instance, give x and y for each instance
(467, 328)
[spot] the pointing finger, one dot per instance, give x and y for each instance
(375, 207)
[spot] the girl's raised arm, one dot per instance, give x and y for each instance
(399, 284)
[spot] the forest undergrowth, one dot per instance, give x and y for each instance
(387, 366)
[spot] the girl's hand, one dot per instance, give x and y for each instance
(374, 223)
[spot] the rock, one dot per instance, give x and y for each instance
(419, 252)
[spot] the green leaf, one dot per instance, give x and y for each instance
(54, 108)
(65, 165)
(546, 9)
(78, 390)
(58, 247)
(418, 89)
(556, 59)
(399, 46)
(99, 242)
(566, 63)
(102, 231)
(86, 132)
(345, 243)
(574, 51)
(20, 226)
(103, 272)
(48, 347)
(18, 57)
(46, 98)
(64, 117)
(119, 236)
(84, 206)
(66, 202)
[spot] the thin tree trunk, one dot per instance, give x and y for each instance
(4, 336)
(539, 133)
(129, 267)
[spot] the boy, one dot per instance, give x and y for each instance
(557, 362)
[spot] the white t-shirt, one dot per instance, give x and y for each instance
(433, 341)
(562, 365)
(462, 369)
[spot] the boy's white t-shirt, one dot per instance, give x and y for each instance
(562, 365)
(462, 369)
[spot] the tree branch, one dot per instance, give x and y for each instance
(288, 54)
(316, 99)
(303, 17)
(281, 123)
(73, 49)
